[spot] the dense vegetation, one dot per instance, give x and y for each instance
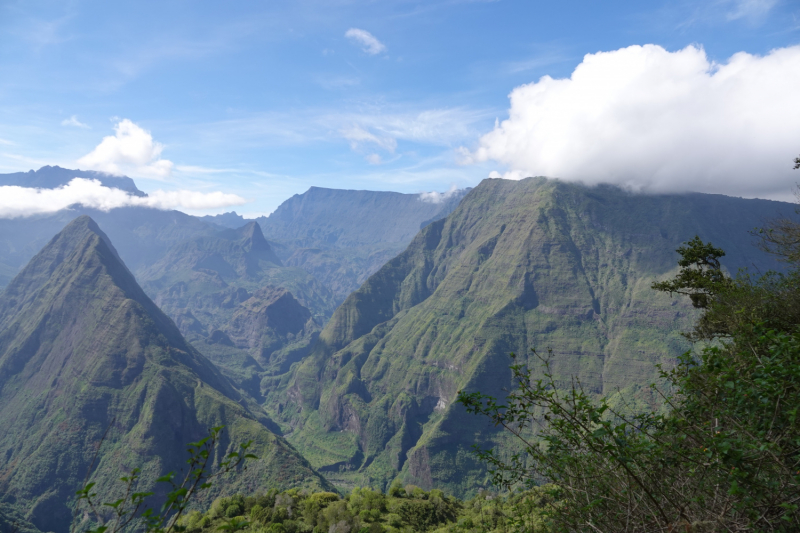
(724, 457)
(405, 510)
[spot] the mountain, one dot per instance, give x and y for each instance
(143, 235)
(341, 237)
(49, 177)
(83, 349)
(235, 301)
(518, 264)
(226, 220)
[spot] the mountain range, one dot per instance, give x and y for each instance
(519, 264)
(341, 237)
(336, 332)
(52, 177)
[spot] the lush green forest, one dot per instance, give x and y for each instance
(403, 509)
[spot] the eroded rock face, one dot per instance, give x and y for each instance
(272, 319)
(534, 263)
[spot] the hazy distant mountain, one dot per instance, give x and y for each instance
(52, 177)
(226, 220)
(229, 294)
(518, 264)
(144, 235)
(343, 236)
(81, 345)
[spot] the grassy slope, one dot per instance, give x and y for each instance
(81, 346)
(517, 265)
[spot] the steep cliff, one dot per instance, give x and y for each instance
(535, 263)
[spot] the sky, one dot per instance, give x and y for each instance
(215, 106)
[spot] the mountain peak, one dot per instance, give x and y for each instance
(80, 254)
(253, 242)
(84, 350)
(253, 237)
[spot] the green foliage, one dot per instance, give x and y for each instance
(132, 509)
(726, 456)
(700, 277)
(368, 511)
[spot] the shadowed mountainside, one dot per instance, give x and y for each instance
(81, 348)
(534, 263)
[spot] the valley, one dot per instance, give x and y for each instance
(335, 333)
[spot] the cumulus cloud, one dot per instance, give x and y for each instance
(652, 120)
(374, 159)
(435, 197)
(131, 150)
(368, 42)
(73, 121)
(25, 201)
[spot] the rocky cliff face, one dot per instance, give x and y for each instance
(83, 349)
(269, 325)
(534, 263)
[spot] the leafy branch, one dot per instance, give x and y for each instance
(133, 507)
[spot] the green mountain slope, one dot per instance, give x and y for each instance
(534, 263)
(341, 237)
(81, 348)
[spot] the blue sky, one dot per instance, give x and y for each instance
(264, 99)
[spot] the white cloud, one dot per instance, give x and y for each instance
(435, 197)
(359, 136)
(652, 120)
(374, 159)
(6, 142)
(131, 150)
(750, 9)
(193, 169)
(368, 42)
(438, 127)
(25, 201)
(73, 121)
